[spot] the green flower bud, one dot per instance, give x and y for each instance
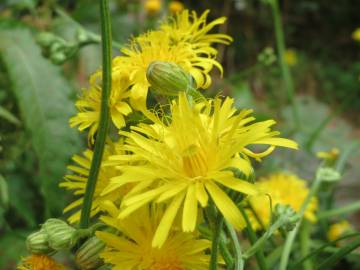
(286, 216)
(87, 256)
(45, 39)
(58, 58)
(167, 78)
(60, 234)
(37, 243)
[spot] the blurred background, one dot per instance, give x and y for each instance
(38, 89)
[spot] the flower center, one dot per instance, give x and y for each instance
(194, 162)
(166, 266)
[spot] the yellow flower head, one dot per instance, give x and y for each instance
(356, 34)
(132, 249)
(329, 156)
(89, 104)
(283, 188)
(77, 181)
(185, 160)
(183, 40)
(291, 57)
(338, 229)
(176, 6)
(152, 6)
(39, 262)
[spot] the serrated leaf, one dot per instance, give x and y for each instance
(43, 98)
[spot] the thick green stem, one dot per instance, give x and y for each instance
(215, 242)
(259, 255)
(305, 243)
(104, 114)
(280, 44)
(291, 236)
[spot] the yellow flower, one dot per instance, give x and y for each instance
(283, 188)
(338, 229)
(78, 179)
(184, 41)
(132, 249)
(176, 6)
(185, 159)
(329, 156)
(356, 34)
(291, 57)
(152, 6)
(39, 262)
(90, 102)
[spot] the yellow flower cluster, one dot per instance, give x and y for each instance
(280, 188)
(184, 40)
(167, 168)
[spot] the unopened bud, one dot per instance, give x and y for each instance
(45, 39)
(167, 78)
(287, 215)
(87, 257)
(37, 243)
(60, 234)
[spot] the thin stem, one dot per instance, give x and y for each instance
(259, 255)
(239, 262)
(215, 242)
(291, 236)
(329, 262)
(305, 243)
(280, 44)
(104, 114)
(340, 211)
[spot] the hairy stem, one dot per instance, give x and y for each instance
(104, 114)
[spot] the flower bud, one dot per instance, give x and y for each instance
(87, 256)
(287, 216)
(37, 243)
(167, 78)
(60, 234)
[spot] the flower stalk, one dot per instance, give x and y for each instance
(280, 44)
(104, 114)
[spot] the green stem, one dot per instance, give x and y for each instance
(319, 250)
(340, 211)
(305, 243)
(280, 44)
(239, 262)
(215, 242)
(329, 262)
(259, 255)
(104, 114)
(291, 236)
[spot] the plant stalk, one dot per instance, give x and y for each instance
(291, 236)
(280, 44)
(215, 242)
(104, 114)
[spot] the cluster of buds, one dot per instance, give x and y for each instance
(53, 236)
(58, 50)
(56, 235)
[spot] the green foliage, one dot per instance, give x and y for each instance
(43, 99)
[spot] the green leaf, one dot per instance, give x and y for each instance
(8, 116)
(12, 247)
(43, 98)
(4, 193)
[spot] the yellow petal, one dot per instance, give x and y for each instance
(167, 220)
(226, 206)
(190, 210)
